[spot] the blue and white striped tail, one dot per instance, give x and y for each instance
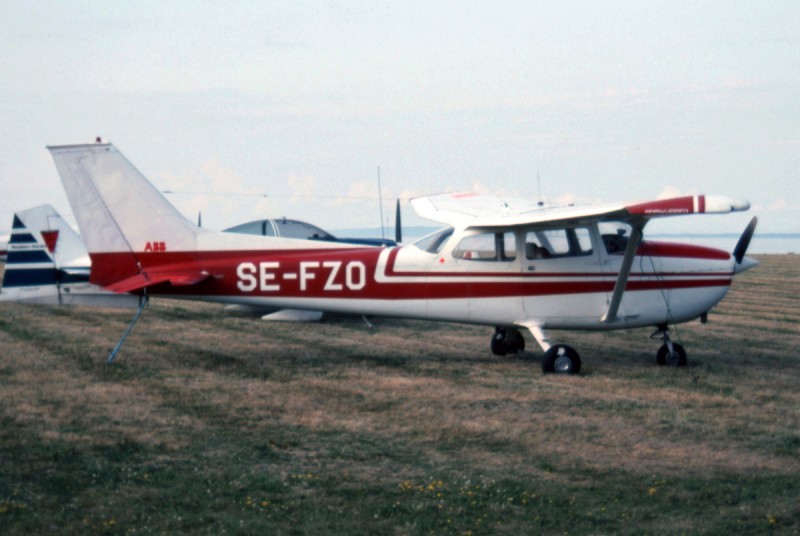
(48, 264)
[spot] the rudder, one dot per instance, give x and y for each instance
(124, 220)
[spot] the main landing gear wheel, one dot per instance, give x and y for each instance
(675, 357)
(507, 341)
(561, 359)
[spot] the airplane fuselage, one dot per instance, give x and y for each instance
(669, 283)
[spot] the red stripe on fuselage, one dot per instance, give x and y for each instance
(684, 251)
(350, 274)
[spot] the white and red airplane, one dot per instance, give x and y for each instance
(511, 267)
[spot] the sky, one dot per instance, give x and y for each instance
(249, 109)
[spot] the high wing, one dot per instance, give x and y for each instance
(487, 212)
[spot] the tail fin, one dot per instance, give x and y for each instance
(48, 264)
(126, 223)
(31, 273)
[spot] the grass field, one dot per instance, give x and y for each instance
(210, 423)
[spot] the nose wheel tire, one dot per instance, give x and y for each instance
(561, 359)
(674, 358)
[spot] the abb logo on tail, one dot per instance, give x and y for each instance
(155, 247)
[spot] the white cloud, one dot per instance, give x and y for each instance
(302, 186)
(219, 193)
(671, 191)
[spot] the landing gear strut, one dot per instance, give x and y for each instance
(507, 341)
(670, 353)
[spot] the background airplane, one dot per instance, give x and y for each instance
(286, 228)
(47, 263)
(512, 266)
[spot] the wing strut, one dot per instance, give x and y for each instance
(624, 272)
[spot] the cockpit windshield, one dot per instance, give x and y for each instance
(434, 242)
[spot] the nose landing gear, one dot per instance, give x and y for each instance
(670, 353)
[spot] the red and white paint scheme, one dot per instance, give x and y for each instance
(495, 263)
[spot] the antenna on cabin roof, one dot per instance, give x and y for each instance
(539, 186)
(380, 201)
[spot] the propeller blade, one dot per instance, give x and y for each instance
(744, 240)
(398, 230)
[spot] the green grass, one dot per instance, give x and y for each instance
(250, 486)
(210, 423)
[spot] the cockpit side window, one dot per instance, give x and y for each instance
(488, 246)
(550, 243)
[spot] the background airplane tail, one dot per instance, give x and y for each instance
(127, 225)
(47, 264)
(30, 270)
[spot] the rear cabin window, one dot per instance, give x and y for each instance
(552, 243)
(487, 247)
(615, 236)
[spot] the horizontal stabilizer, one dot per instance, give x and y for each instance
(145, 280)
